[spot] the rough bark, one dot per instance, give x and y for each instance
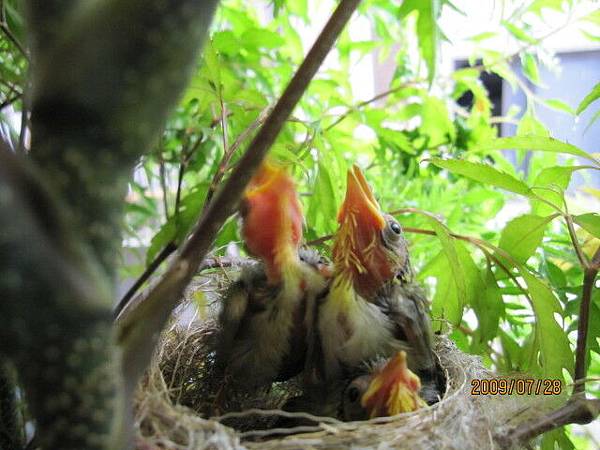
(105, 74)
(12, 432)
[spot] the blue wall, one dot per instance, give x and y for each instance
(580, 71)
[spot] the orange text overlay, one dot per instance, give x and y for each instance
(516, 386)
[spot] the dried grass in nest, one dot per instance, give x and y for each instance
(176, 398)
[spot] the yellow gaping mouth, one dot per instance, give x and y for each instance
(360, 201)
(272, 218)
(394, 390)
(357, 251)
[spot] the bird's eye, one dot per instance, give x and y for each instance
(353, 394)
(396, 228)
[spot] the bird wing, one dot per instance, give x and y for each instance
(241, 300)
(406, 306)
(233, 309)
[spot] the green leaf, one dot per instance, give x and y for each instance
(593, 17)
(590, 36)
(484, 174)
(559, 105)
(523, 235)
(539, 5)
(556, 439)
(529, 125)
(453, 311)
(322, 207)
(427, 29)
(554, 349)
(589, 99)
(589, 222)
(160, 240)
(226, 42)
(536, 143)
(518, 33)
(489, 307)
(530, 68)
(261, 38)
(553, 181)
(592, 121)
(482, 36)
(436, 122)
(178, 226)
(445, 303)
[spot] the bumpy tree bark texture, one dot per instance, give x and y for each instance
(104, 76)
(12, 435)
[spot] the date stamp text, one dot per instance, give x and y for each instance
(516, 386)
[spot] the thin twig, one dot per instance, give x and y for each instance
(482, 245)
(12, 38)
(228, 154)
(379, 96)
(208, 263)
(163, 181)
(170, 246)
(139, 327)
(578, 251)
(479, 67)
(146, 274)
(10, 100)
(589, 277)
(577, 410)
(527, 46)
(24, 119)
(186, 156)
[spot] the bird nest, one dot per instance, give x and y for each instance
(176, 399)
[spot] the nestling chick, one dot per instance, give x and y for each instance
(389, 389)
(267, 315)
(373, 308)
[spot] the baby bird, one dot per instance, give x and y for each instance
(267, 315)
(389, 388)
(373, 308)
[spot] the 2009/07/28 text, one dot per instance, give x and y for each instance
(516, 386)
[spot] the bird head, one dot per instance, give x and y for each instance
(391, 389)
(369, 247)
(272, 219)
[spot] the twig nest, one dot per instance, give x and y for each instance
(175, 402)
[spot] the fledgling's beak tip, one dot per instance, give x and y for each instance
(359, 200)
(272, 213)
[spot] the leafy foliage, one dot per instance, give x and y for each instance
(513, 290)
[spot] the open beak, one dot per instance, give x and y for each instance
(357, 250)
(394, 390)
(361, 203)
(272, 218)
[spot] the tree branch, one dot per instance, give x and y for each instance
(103, 82)
(170, 246)
(577, 410)
(12, 38)
(227, 155)
(140, 326)
(56, 311)
(589, 277)
(146, 274)
(10, 100)
(12, 427)
(96, 75)
(373, 99)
